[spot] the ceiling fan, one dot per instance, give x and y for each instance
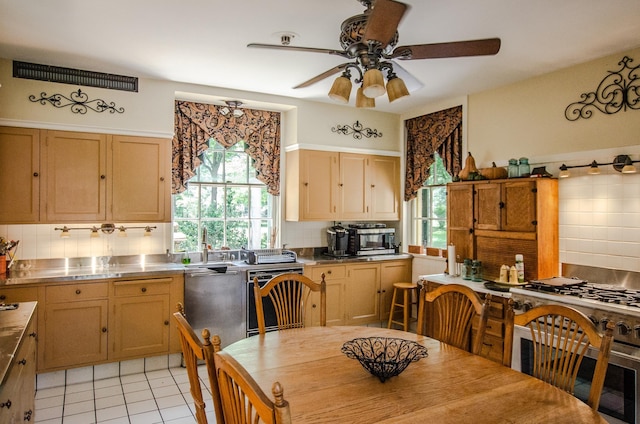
(369, 40)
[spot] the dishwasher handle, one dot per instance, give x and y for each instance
(208, 272)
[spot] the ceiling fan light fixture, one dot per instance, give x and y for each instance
(373, 85)
(396, 89)
(341, 89)
(363, 101)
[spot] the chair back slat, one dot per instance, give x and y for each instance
(243, 401)
(561, 337)
(289, 294)
(192, 351)
(455, 308)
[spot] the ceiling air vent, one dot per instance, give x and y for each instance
(74, 76)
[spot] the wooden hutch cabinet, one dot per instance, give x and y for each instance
(492, 220)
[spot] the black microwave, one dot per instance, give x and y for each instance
(371, 241)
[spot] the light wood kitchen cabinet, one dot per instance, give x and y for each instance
(335, 279)
(460, 219)
(493, 220)
(329, 186)
(18, 294)
(385, 188)
(19, 175)
(140, 193)
(75, 326)
(75, 176)
(391, 272)
(311, 186)
(140, 317)
(66, 176)
(358, 292)
(97, 321)
(363, 293)
(17, 392)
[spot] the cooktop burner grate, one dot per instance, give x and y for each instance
(606, 293)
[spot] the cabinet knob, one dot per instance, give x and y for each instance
(306, 184)
(32, 334)
(23, 361)
(6, 404)
(313, 306)
(161, 178)
(35, 174)
(104, 329)
(144, 290)
(3, 297)
(102, 177)
(27, 415)
(78, 291)
(501, 204)
(329, 272)
(373, 186)
(166, 322)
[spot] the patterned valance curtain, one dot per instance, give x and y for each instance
(196, 123)
(439, 132)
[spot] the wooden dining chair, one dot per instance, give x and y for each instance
(243, 401)
(290, 294)
(193, 350)
(561, 337)
(454, 308)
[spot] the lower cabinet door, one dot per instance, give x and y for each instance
(75, 334)
(140, 326)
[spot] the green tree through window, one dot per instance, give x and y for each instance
(227, 199)
(429, 209)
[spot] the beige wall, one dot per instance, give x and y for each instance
(150, 111)
(527, 119)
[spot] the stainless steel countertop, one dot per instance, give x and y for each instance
(13, 324)
(52, 271)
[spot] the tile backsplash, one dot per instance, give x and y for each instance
(42, 241)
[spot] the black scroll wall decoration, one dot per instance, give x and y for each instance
(78, 101)
(619, 90)
(357, 130)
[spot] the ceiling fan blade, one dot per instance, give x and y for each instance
(322, 76)
(488, 46)
(384, 20)
(300, 49)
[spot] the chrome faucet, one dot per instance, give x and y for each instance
(205, 250)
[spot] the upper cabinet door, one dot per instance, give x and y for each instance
(354, 183)
(519, 213)
(75, 171)
(488, 206)
(140, 169)
(384, 181)
(19, 175)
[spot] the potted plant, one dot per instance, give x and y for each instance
(5, 249)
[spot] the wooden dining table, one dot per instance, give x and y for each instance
(323, 385)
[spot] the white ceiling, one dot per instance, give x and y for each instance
(204, 41)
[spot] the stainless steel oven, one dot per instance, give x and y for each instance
(604, 295)
(618, 403)
(264, 275)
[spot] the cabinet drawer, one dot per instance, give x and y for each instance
(494, 327)
(330, 272)
(142, 287)
(22, 294)
(492, 348)
(75, 292)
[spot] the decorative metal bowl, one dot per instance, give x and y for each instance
(384, 357)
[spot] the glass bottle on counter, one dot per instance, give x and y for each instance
(476, 271)
(524, 170)
(465, 269)
(512, 170)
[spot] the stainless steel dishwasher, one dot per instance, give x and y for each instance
(215, 298)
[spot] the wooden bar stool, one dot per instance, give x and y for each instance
(407, 290)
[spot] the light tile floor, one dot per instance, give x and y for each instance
(160, 396)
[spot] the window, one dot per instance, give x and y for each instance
(227, 199)
(429, 209)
